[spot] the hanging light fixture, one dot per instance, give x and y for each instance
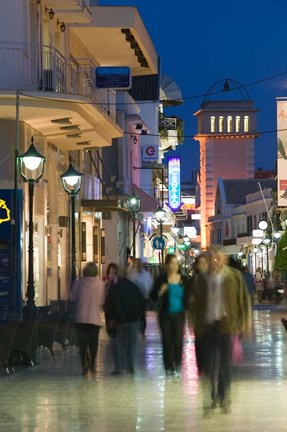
(62, 25)
(51, 12)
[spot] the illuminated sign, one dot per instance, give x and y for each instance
(282, 152)
(4, 212)
(174, 190)
(150, 153)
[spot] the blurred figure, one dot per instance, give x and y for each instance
(259, 282)
(171, 291)
(125, 306)
(112, 278)
(221, 310)
(130, 263)
(144, 281)
(88, 293)
(199, 266)
(249, 281)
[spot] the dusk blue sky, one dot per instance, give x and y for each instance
(202, 42)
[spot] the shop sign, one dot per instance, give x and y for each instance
(174, 188)
(150, 153)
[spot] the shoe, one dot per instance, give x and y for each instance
(116, 373)
(132, 371)
(169, 373)
(226, 406)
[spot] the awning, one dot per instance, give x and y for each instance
(148, 204)
(230, 250)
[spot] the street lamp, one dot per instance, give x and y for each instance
(159, 215)
(263, 225)
(72, 182)
(133, 204)
(267, 242)
(174, 231)
(31, 169)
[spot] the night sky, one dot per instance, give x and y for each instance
(201, 42)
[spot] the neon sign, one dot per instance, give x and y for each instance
(174, 190)
(3, 206)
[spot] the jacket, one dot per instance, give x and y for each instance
(88, 293)
(162, 279)
(125, 302)
(236, 300)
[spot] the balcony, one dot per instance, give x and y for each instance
(47, 80)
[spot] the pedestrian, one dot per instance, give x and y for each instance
(88, 294)
(125, 306)
(199, 266)
(221, 311)
(249, 281)
(144, 281)
(170, 292)
(111, 279)
(259, 282)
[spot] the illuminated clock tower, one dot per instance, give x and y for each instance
(226, 133)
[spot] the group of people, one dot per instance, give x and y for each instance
(215, 299)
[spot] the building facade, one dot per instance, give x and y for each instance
(226, 133)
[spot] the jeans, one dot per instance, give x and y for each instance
(88, 340)
(218, 361)
(172, 326)
(125, 355)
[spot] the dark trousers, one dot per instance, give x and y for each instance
(218, 361)
(127, 336)
(172, 326)
(88, 341)
(200, 353)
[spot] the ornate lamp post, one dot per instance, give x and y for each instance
(72, 182)
(159, 215)
(174, 231)
(31, 169)
(267, 242)
(133, 204)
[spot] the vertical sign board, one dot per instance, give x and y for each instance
(282, 152)
(174, 188)
(10, 302)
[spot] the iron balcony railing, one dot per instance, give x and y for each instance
(43, 68)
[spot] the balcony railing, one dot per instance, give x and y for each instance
(42, 68)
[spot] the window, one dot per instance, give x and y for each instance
(237, 124)
(229, 124)
(246, 123)
(249, 225)
(212, 124)
(255, 222)
(221, 124)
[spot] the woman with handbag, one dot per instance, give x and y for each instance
(169, 293)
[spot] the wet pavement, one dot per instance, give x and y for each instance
(54, 397)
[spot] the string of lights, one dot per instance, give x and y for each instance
(201, 95)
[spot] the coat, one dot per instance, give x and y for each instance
(236, 300)
(88, 294)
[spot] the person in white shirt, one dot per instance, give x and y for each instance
(144, 281)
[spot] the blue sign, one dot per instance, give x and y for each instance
(158, 243)
(113, 77)
(174, 189)
(10, 301)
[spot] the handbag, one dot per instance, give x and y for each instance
(237, 350)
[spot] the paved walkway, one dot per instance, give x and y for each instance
(54, 397)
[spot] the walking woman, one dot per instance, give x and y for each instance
(112, 278)
(170, 292)
(88, 293)
(259, 282)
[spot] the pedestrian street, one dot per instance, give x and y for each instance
(53, 396)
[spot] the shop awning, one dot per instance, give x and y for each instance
(148, 204)
(230, 249)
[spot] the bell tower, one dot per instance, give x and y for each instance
(226, 133)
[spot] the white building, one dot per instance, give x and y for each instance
(49, 55)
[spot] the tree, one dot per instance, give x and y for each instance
(281, 256)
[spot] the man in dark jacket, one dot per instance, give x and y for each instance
(125, 306)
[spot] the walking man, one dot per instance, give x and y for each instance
(221, 310)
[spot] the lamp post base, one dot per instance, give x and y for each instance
(30, 311)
